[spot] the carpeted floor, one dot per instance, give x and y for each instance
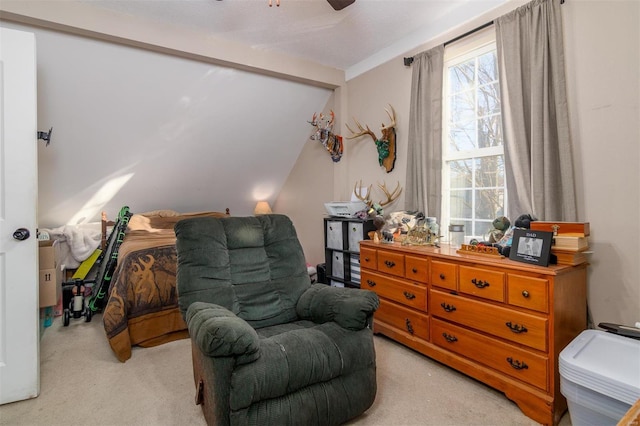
(82, 383)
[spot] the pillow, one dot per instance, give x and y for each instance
(164, 219)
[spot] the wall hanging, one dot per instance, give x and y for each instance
(374, 208)
(324, 134)
(386, 144)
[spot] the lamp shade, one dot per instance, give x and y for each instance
(262, 207)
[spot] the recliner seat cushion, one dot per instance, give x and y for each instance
(296, 358)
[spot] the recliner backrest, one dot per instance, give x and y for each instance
(253, 266)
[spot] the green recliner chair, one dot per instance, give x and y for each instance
(270, 348)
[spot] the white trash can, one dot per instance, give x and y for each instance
(600, 377)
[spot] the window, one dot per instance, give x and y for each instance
(474, 189)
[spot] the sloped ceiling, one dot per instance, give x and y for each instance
(153, 131)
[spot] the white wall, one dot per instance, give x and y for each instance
(602, 46)
(602, 40)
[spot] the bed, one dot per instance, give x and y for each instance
(142, 302)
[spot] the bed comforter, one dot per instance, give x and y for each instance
(142, 307)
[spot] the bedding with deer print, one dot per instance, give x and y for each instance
(142, 306)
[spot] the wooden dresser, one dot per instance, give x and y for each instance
(501, 322)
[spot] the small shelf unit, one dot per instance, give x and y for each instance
(342, 238)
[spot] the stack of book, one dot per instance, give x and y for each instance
(570, 240)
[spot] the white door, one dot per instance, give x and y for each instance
(19, 324)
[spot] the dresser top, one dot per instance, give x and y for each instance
(446, 252)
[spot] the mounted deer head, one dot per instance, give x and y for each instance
(386, 145)
(324, 134)
(371, 206)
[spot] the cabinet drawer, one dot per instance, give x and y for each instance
(519, 327)
(354, 267)
(528, 292)
(355, 231)
(402, 318)
(391, 263)
(334, 235)
(519, 363)
(408, 294)
(482, 283)
(368, 258)
(337, 264)
(416, 268)
(444, 274)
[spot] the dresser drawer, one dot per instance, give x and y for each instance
(402, 318)
(528, 292)
(482, 283)
(412, 295)
(518, 363)
(368, 258)
(391, 263)
(444, 274)
(416, 268)
(519, 327)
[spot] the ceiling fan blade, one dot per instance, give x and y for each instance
(340, 4)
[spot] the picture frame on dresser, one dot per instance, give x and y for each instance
(531, 246)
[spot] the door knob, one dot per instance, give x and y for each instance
(21, 234)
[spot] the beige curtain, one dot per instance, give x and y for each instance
(424, 152)
(540, 177)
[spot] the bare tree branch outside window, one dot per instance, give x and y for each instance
(476, 182)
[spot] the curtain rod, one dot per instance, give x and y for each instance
(409, 60)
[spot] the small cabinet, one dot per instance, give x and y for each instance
(342, 238)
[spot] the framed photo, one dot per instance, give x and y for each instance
(531, 246)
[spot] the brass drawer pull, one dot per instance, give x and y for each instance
(479, 283)
(516, 328)
(517, 364)
(389, 263)
(409, 326)
(525, 294)
(449, 338)
(447, 307)
(408, 295)
(371, 283)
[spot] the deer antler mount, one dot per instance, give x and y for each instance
(371, 206)
(386, 144)
(324, 133)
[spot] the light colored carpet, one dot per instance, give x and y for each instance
(82, 383)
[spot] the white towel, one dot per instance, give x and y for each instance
(75, 242)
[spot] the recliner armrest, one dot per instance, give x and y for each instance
(350, 308)
(219, 332)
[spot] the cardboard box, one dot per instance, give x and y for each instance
(51, 276)
(46, 255)
(48, 287)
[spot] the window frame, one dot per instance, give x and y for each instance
(470, 47)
